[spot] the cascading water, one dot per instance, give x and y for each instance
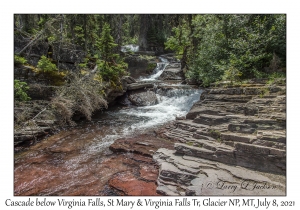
(130, 48)
(160, 67)
(75, 161)
(171, 103)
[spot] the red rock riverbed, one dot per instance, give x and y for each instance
(64, 164)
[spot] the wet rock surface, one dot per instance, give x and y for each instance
(74, 165)
(127, 183)
(139, 66)
(231, 135)
(172, 71)
(141, 178)
(143, 98)
(143, 144)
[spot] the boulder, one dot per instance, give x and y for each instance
(128, 79)
(139, 66)
(143, 98)
(172, 71)
(112, 94)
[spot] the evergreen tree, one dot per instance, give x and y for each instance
(111, 66)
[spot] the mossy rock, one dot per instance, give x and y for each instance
(150, 67)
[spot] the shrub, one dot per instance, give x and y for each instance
(276, 78)
(18, 60)
(151, 67)
(147, 57)
(20, 89)
(80, 95)
(46, 65)
(232, 74)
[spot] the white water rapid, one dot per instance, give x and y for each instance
(78, 161)
(130, 48)
(174, 101)
(160, 67)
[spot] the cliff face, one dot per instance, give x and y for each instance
(231, 135)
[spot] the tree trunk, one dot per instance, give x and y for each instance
(25, 22)
(85, 32)
(61, 40)
(72, 24)
(119, 35)
(144, 26)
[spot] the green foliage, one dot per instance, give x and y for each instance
(210, 46)
(232, 74)
(147, 57)
(249, 45)
(20, 89)
(19, 60)
(151, 66)
(51, 39)
(130, 29)
(190, 143)
(215, 134)
(43, 19)
(106, 44)
(79, 34)
(130, 40)
(46, 65)
(208, 56)
(276, 77)
(110, 72)
(156, 37)
(179, 40)
(111, 66)
(231, 46)
(264, 92)
(51, 72)
(84, 63)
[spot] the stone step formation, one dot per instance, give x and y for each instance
(232, 142)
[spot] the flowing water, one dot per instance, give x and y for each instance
(160, 67)
(75, 161)
(130, 48)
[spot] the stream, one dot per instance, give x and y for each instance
(76, 161)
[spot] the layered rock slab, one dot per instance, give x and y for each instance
(242, 128)
(142, 171)
(188, 175)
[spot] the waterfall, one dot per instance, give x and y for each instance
(160, 67)
(173, 100)
(130, 47)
